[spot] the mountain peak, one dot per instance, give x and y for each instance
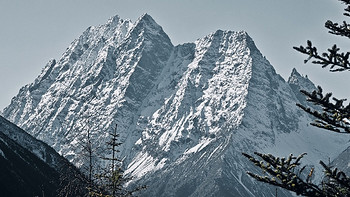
(177, 108)
(295, 73)
(303, 82)
(235, 36)
(221, 32)
(146, 20)
(295, 77)
(113, 20)
(145, 25)
(298, 82)
(146, 16)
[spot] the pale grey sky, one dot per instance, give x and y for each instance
(32, 32)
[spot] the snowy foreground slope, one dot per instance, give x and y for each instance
(185, 113)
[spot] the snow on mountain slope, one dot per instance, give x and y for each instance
(95, 85)
(199, 105)
(185, 113)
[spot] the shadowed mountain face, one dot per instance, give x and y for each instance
(342, 161)
(29, 167)
(185, 113)
(24, 174)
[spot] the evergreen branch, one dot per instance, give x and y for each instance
(282, 173)
(285, 174)
(338, 29)
(337, 181)
(337, 61)
(347, 9)
(335, 115)
(346, 2)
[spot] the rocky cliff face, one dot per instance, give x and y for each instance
(185, 113)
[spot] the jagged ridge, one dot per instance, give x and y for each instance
(189, 110)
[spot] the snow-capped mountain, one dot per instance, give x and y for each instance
(185, 113)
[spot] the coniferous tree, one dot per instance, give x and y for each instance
(110, 182)
(288, 173)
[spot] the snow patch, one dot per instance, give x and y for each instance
(2, 154)
(198, 147)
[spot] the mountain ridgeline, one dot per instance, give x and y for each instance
(185, 113)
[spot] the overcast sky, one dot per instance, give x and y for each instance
(33, 32)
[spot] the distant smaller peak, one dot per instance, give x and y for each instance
(295, 72)
(299, 80)
(294, 77)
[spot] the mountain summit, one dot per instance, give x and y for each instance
(185, 113)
